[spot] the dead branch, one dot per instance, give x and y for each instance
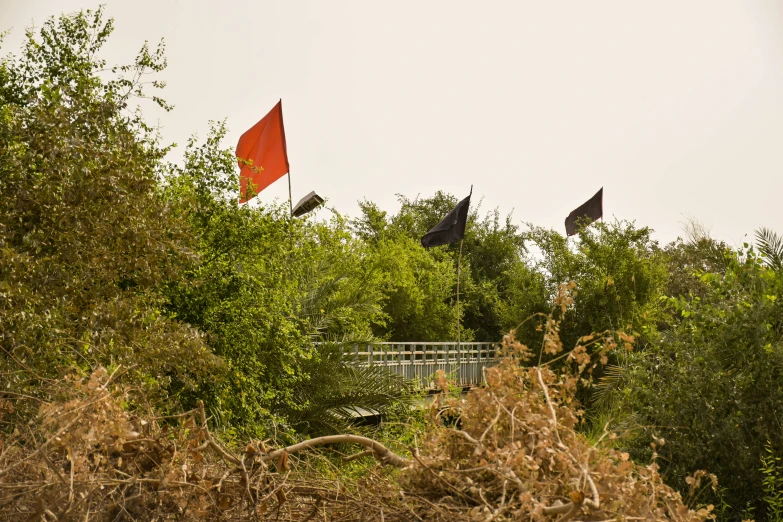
(382, 453)
(595, 502)
(217, 447)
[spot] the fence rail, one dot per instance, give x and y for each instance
(463, 362)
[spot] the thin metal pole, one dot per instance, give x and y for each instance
(459, 263)
(290, 199)
(290, 216)
(459, 266)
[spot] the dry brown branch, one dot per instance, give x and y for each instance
(491, 425)
(212, 443)
(382, 453)
(595, 502)
(548, 403)
(577, 498)
(467, 437)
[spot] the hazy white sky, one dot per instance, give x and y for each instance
(675, 108)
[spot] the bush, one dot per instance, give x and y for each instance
(711, 384)
(620, 273)
(85, 238)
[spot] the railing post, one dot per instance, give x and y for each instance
(458, 365)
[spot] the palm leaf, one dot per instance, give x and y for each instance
(339, 387)
(770, 245)
(321, 300)
(607, 384)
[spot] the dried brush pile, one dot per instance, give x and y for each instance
(89, 459)
(513, 455)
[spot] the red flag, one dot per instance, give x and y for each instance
(264, 144)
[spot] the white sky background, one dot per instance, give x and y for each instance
(675, 108)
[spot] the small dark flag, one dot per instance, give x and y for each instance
(451, 228)
(591, 210)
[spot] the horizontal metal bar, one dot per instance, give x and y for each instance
(419, 361)
(428, 343)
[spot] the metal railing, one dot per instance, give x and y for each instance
(463, 363)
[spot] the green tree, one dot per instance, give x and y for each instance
(493, 262)
(85, 238)
(710, 385)
(620, 274)
(265, 288)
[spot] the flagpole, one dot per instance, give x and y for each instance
(459, 272)
(290, 199)
(459, 266)
(290, 216)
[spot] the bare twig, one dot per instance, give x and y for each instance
(548, 403)
(491, 425)
(217, 447)
(467, 437)
(359, 455)
(595, 502)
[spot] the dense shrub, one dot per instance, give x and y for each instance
(711, 385)
(620, 273)
(85, 238)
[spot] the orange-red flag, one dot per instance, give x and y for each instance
(264, 144)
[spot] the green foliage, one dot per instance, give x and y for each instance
(264, 288)
(620, 273)
(771, 247)
(687, 260)
(85, 238)
(339, 389)
(239, 289)
(711, 383)
(772, 469)
(497, 287)
(419, 292)
(341, 287)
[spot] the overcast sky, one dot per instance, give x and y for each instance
(675, 108)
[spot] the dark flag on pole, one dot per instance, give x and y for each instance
(590, 211)
(451, 228)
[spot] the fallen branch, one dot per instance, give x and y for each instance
(381, 452)
(570, 509)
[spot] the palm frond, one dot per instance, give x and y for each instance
(324, 298)
(607, 384)
(770, 245)
(339, 387)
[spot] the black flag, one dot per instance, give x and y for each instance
(451, 228)
(592, 210)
